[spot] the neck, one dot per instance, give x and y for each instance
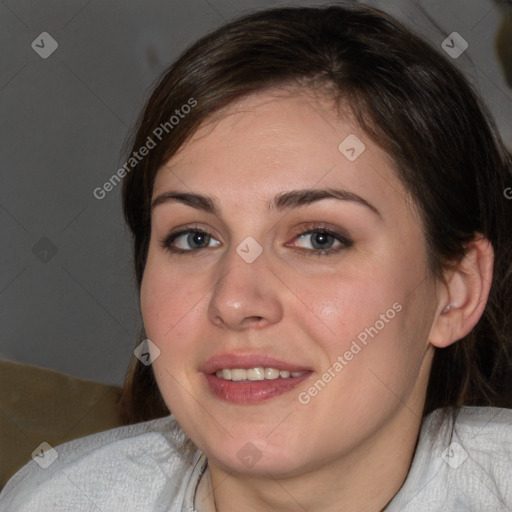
(365, 480)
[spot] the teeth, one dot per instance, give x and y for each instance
(255, 374)
(271, 373)
(237, 375)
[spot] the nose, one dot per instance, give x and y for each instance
(245, 295)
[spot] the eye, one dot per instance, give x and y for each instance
(324, 241)
(187, 240)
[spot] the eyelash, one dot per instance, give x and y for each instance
(167, 241)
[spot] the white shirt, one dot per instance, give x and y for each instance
(140, 468)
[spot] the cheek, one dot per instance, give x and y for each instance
(155, 302)
(341, 309)
(370, 319)
(167, 298)
(367, 285)
(173, 311)
(161, 307)
(167, 317)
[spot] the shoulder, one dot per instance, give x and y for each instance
(463, 461)
(482, 435)
(136, 467)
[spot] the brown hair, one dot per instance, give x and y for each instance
(407, 98)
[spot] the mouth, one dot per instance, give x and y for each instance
(251, 379)
(255, 374)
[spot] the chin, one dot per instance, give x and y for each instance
(258, 458)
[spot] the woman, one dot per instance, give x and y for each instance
(321, 242)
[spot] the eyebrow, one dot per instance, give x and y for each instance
(284, 201)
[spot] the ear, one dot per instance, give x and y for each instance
(465, 294)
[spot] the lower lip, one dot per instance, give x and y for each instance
(252, 392)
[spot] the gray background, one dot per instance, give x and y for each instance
(64, 122)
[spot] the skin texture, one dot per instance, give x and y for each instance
(352, 444)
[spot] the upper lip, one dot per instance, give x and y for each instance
(246, 361)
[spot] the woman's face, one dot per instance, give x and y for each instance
(284, 278)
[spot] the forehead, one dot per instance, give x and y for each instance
(276, 140)
(275, 122)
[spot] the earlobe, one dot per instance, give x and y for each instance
(467, 289)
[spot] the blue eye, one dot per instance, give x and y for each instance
(320, 239)
(323, 240)
(197, 239)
